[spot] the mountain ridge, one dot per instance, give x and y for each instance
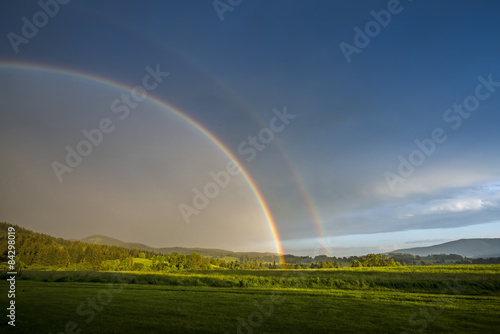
(472, 248)
(100, 239)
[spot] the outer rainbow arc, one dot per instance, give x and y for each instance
(179, 113)
(313, 212)
(306, 196)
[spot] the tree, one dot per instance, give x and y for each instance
(355, 263)
(378, 260)
(127, 264)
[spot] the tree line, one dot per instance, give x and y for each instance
(38, 251)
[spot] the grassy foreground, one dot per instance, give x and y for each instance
(451, 299)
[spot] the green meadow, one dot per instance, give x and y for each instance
(431, 299)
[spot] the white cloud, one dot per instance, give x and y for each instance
(458, 205)
(482, 197)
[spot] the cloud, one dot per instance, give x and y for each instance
(451, 207)
(458, 205)
(465, 200)
(437, 179)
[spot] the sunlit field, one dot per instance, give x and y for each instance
(355, 300)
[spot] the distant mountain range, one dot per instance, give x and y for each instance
(207, 252)
(472, 248)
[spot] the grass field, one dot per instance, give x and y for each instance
(439, 299)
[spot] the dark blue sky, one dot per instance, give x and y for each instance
(353, 119)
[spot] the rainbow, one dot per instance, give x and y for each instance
(91, 77)
(305, 194)
(313, 211)
(311, 208)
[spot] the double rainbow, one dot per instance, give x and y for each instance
(91, 77)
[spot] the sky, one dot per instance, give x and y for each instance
(308, 127)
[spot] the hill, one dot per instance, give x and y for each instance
(98, 239)
(44, 251)
(205, 252)
(472, 248)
